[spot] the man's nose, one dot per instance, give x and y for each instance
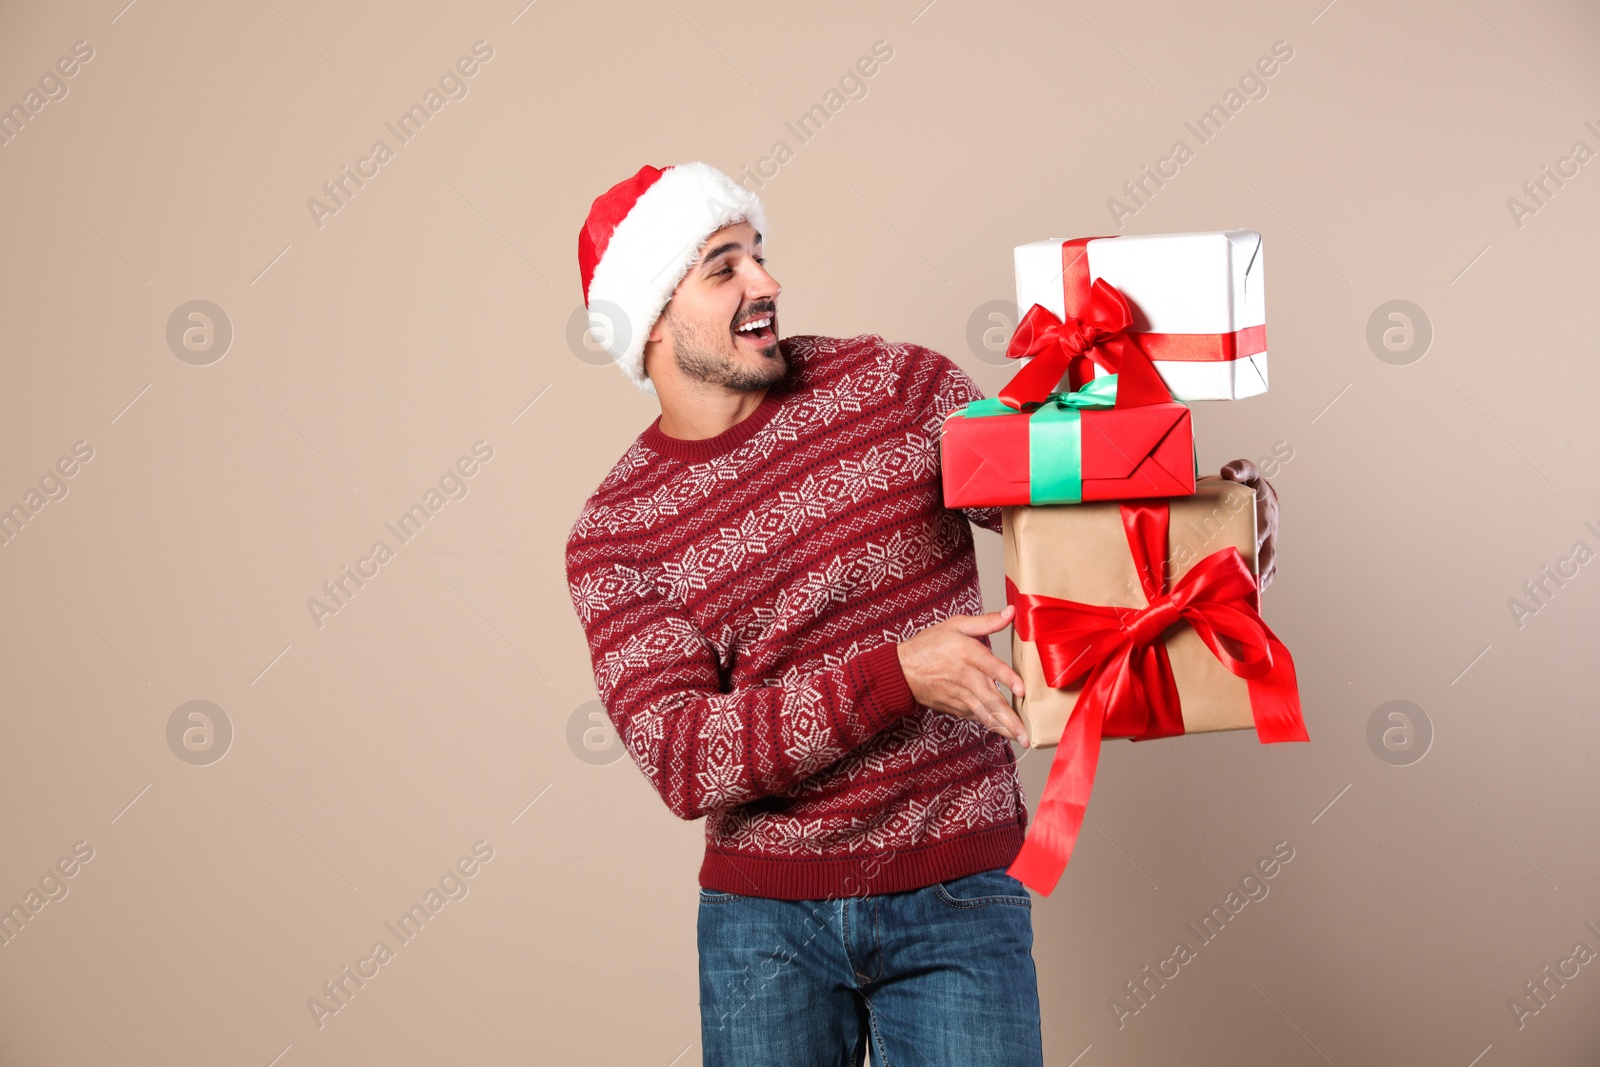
(764, 286)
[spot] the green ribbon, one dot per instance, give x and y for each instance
(1055, 437)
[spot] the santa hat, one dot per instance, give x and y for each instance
(641, 237)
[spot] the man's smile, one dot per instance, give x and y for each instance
(758, 330)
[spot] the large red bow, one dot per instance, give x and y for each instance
(1098, 334)
(1130, 691)
(1096, 328)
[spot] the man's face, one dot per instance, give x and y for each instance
(726, 288)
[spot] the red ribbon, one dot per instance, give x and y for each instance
(1130, 691)
(1098, 329)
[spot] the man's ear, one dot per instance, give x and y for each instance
(658, 331)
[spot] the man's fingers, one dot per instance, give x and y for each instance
(977, 696)
(1242, 471)
(996, 717)
(980, 712)
(996, 668)
(1002, 718)
(991, 665)
(987, 623)
(1012, 725)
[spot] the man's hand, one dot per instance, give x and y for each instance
(1244, 472)
(950, 670)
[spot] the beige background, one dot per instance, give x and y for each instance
(432, 710)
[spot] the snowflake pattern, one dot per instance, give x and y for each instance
(736, 545)
(593, 590)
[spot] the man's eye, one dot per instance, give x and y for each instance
(725, 270)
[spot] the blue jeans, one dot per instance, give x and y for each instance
(942, 975)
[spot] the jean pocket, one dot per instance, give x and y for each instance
(982, 889)
(715, 896)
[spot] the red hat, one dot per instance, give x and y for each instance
(641, 237)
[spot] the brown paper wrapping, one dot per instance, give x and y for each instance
(1080, 552)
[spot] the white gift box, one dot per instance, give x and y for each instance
(1177, 283)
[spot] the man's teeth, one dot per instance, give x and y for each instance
(755, 324)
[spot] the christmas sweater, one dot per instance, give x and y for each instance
(742, 597)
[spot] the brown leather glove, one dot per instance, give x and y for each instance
(1245, 473)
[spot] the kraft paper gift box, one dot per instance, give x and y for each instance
(1081, 553)
(1199, 302)
(1136, 619)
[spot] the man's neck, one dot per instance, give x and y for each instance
(703, 415)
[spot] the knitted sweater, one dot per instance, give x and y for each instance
(742, 597)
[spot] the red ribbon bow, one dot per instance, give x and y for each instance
(1096, 329)
(1130, 690)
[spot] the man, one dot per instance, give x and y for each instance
(787, 630)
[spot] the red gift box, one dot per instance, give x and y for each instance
(1127, 453)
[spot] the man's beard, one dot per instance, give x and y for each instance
(701, 357)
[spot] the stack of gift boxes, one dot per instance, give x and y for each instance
(1134, 580)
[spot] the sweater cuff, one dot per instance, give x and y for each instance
(882, 692)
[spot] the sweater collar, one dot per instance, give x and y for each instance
(711, 447)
